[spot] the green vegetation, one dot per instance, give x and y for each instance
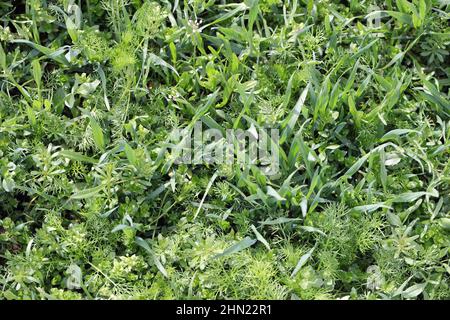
(93, 207)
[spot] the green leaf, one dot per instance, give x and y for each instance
(2, 58)
(394, 219)
(355, 167)
(358, 164)
(294, 115)
(157, 61)
(75, 276)
(280, 220)
(364, 49)
(210, 183)
(37, 72)
(87, 193)
(260, 237)
(120, 227)
(76, 156)
(71, 29)
(131, 154)
(371, 207)
(312, 229)
(410, 196)
(143, 244)
(273, 193)
(396, 133)
(102, 75)
(422, 10)
(404, 6)
(238, 8)
(241, 245)
(56, 55)
(351, 78)
(414, 290)
(97, 134)
(401, 17)
(445, 223)
(31, 116)
(383, 170)
(302, 261)
(8, 184)
(87, 88)
(353, 111)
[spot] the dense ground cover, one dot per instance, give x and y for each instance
(91, 205)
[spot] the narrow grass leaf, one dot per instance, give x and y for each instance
(241, 245)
